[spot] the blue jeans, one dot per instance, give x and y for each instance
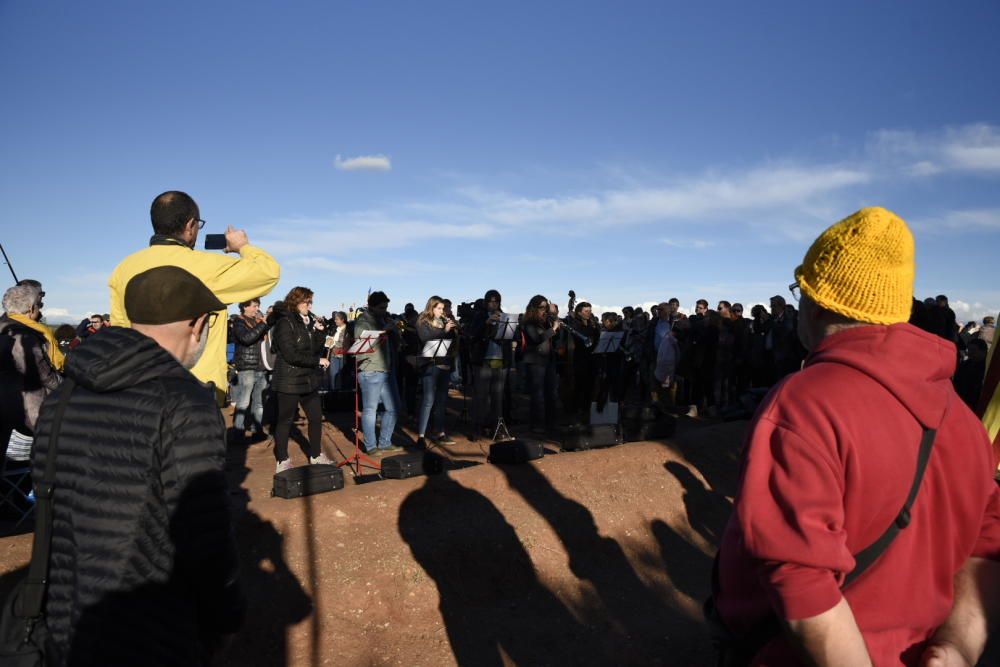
(248, 397)
(378, 388)
(336, 365)
(435, 383)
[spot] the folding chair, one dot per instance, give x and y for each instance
(16, 491)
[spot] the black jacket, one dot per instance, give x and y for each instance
(427, 332)
(246, 338)
(26, 378)
(298, 348)
(143, 561)
(538, 343)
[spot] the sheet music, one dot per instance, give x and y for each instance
(365, 342)
(505, 327)
(610, 341)
(436, 348)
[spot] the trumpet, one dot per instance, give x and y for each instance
(579, 335)
(398, 322)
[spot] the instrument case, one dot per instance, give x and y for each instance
(516, 451)
(405, 466)
(637, 430)
(307, 480)
(578, 438)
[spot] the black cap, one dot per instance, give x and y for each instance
(167, 294)
(376, 298)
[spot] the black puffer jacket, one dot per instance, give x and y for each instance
(298, 348)
(143, 557)
(246, 336)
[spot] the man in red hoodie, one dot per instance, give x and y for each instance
(828, 465)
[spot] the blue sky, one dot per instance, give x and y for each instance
(631, 151)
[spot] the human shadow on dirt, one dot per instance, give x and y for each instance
(707, 509)
(494, 607)
(276, 599)
(713, 450)
(636, 623)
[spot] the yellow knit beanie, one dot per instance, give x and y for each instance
(862, 268)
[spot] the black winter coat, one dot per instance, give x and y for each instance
(143, 561)
(298, 348)
(538, 343)
(246, 350)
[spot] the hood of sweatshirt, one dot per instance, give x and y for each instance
(117, 358)
(912, 364)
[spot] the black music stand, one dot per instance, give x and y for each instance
(433, 350)
(609, 343)
(358, 459)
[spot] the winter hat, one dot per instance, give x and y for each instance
(862, 268)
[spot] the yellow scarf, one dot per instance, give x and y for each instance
(55, 354)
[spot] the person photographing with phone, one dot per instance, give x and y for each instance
(176, 220)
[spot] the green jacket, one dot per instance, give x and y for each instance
(383, 358)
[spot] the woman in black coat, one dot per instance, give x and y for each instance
(298, 339)
(540, 362)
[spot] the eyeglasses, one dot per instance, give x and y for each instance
(201, 223)
(212, 317)
(795, 290)
(542, 306)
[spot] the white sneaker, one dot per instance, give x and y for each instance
(322, 459)
(284, 465)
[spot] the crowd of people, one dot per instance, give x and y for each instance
(843, 381)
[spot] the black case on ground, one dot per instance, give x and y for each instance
(515, 451)
(404, 466)
(307, 480)
(339, 401)
(591, 437)
(637, 430)
(634, 411)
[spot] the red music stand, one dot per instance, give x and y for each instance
(358, 460)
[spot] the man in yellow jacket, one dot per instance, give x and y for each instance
(176, 222)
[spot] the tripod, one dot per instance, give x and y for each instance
(358, 459)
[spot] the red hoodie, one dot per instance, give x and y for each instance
(826, 468)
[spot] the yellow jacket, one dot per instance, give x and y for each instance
(232, 280)
(56, 357)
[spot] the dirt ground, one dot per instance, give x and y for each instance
(599, 557)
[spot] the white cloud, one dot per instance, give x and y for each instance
(344, 234)
(758, 190)
(985, 219)
(361, 269)
(363, 163)
(694, 244)
(970, 148)
(969, 312)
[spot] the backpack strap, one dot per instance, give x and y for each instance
(867, 557)
(38, 570)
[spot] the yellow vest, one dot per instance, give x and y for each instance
(232, 280)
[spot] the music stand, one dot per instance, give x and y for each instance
(505, 329)
(365, 344)
(435, 349)
(609, 343)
